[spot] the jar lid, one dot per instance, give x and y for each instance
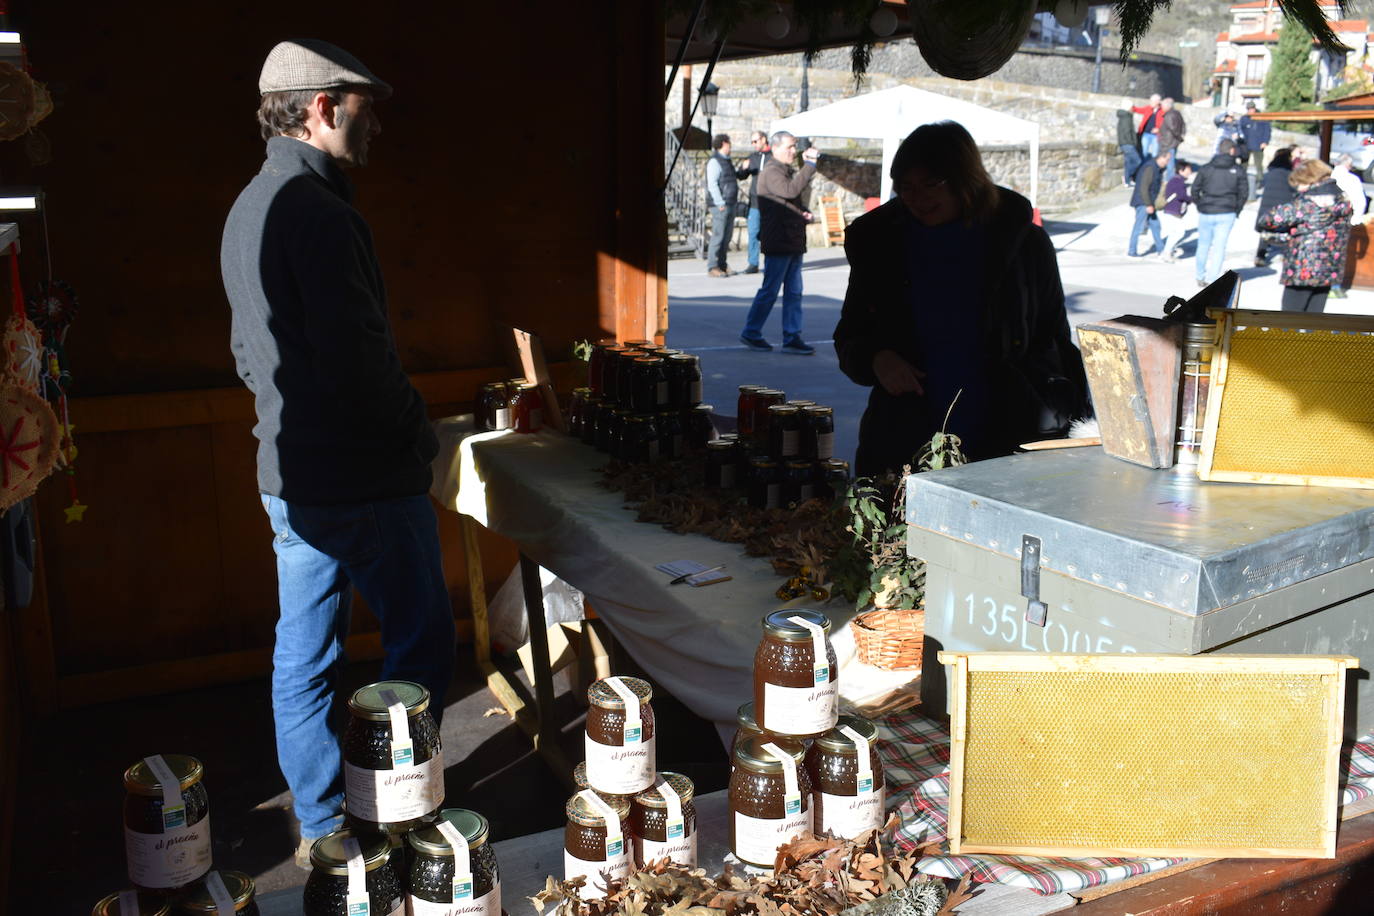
(516, 381)
(818, 410)
(431, 842)
(148, 905)
(801, 403)
(704, 408)
(743, 388)
(751, 755)
(838, 741)
(526, 386)
(492, 386)
(732, 438)
(601, 694)
(579, 812)
(783, 410)
(770, 392)
(642, 344)
(669, 415)
(799, 464)
(582, 391)
(836, 464)
(198, 899)
(745, 718)
(367, 702)
(720, 445)
(633, 353)
(762, 461)
(649, 360)
(607, 342)
(679, 357)
(328, 852)
(666, 352)
(777, 624)
(140, 780)
(652, 798)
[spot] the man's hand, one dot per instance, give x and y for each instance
(721, 208)
(806, 215)
(1148, 209)
(811, 154)
(896, 375)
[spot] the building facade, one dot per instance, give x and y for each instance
(1244, 52)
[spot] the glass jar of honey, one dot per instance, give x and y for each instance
(596, 841)
(610, 372)
(591, 413)
(798, 481)
(577, 411)
(834, 478)
(650, 385)
(625, 377)
(765, 483)
(663, 821)
(166, 822)
(620, 735)
(819, 440)
(847, 779)
(720, 465)
(132, 903)
(764, 398)
(784, 432)
(218, 888)
(796, 692)
(744, 411)
(770, 797)
(700, 426)
(746, 727)
(393, 759)
(453, 868)
(492, 410)
(596, 364)
(527, 408)
(684, 381)
(670, 434)
(348, 867)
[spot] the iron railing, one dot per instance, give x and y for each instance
(684, 198)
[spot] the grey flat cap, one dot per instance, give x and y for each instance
(308, 63)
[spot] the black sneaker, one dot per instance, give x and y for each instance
(752, 269)
(756, 343)
(798, 347)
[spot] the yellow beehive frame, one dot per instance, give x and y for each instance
(1145, 755)
(1291, 400)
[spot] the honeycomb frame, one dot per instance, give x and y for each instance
(1145, 755)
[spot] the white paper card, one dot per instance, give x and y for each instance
(173, 811)
(358, 903)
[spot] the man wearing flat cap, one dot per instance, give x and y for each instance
(344, 444)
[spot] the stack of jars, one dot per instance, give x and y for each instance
(626, 813)
(783, 453)
(167, 845)
(797, 765)
(516, 404)
(641, 402)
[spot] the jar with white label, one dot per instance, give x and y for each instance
(393, 759)
(166, 822)
(847, 786)
(216, 890)
(596, 841)
(620, 735)
(446, 882)
(796, 691)
(663, 821)
(343, 874)
(770, 797)
(132, 903)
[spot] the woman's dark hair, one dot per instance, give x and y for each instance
(947, 151)
(1283, 158)
(283, 114)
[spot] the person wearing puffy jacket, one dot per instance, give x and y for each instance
(1317, 225)
(1220, 191)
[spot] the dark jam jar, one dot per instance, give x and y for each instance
(166, 826)
(720, 464)
(650, 385)
(391, 785)
(834, 478)
(639, 440)
(137, 903)
(620, 753)
(596, 364)
(684, 381)
(671, 442)
(527, 409)
(605, 419)
(765, 483)
(655, 833)
(764, 398)
(585, 850)
(625, 377)
(610, 372)
(236, 886)
(591, 413)
(577, 411)
(326, 890)
(784, 431)
(744, 409)
(843, 804)
(763, 815)
(798, 481)
(493, 407)
(431, 885)
(819, 440)
(701, 427)
(794, 693)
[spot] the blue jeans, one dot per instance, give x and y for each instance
(1142, 218)
(1171, 168)
(1130, 161)
(1149, 145)
(389, 551)
(1212, 231)
(755, 221)
(779, 270)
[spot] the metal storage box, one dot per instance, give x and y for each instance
(1074, 551)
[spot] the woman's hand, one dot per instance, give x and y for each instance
(896, 375)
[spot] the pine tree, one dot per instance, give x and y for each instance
(1289, 84)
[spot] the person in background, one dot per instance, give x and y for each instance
(1149, 181)
(1148, 129)
(1171, 131)
(1276, 190)
(1228, 129)
(1128, 141)
(1172, 218)
(954, 291)
(1317, 223)
(1353, 189)
(344, 440)
(762, 152)
(1256, 136)
(722, 190)
(1219, 191)
(783, 213)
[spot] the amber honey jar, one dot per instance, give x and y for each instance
(453, 869)
(770, 797)
(132, 903)
(217, 890)
(650, 384)
(663, 821)
(796, 691)
(348, 868)
(393, 759)
(746, 727)
(166, 822)
(620, 735)
(846, 778)
(577, 410)
(744, 410)
(764, 398)
(671, 437)
(527, 408)
(596, 840)
(610, 372)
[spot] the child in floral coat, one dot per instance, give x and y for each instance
(1317, 227)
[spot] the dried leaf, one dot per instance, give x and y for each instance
(495, 711)
(960, 894)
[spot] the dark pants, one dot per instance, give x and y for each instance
(722, 221)
(1304, 298)
(1130, 161)
(1257, 157)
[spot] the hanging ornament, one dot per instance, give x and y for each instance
(53, 307)
(25, 361)
(28, 443)
(17, 101)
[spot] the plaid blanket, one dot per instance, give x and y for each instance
(915, 754)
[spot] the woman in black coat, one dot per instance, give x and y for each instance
(1276, 189)
(954, 291)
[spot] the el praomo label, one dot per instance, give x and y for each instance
(847, 816)
(169, 859)
(621, 769)
(489, 904)
(400, 794)
(800, 710)
(757, 838)
(617, 867)
(681, 851)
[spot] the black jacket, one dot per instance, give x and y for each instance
(1125, 129)
(1149, 179)
(783, 197)
(1274, 190)
(1221, 186)
(338, 420)
(751, 170)
(1024, 328)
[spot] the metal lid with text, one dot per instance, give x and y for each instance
(328, 855)
(777, 625)
(140, 779)
(367, 702)
(837, 741)
(602, 694)
(750, 754)
(430, 841)
(652, 798)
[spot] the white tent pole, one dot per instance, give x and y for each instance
(1035, 165)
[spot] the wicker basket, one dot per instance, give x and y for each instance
(890, 638)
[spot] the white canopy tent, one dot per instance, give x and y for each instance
(890, 114)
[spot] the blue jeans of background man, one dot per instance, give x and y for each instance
(1213, 229)
(1130, 161)
(1171, 168)
(389, 551)
(755, 221)
(1142, 218)
(779, 270)
(1149, 145)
